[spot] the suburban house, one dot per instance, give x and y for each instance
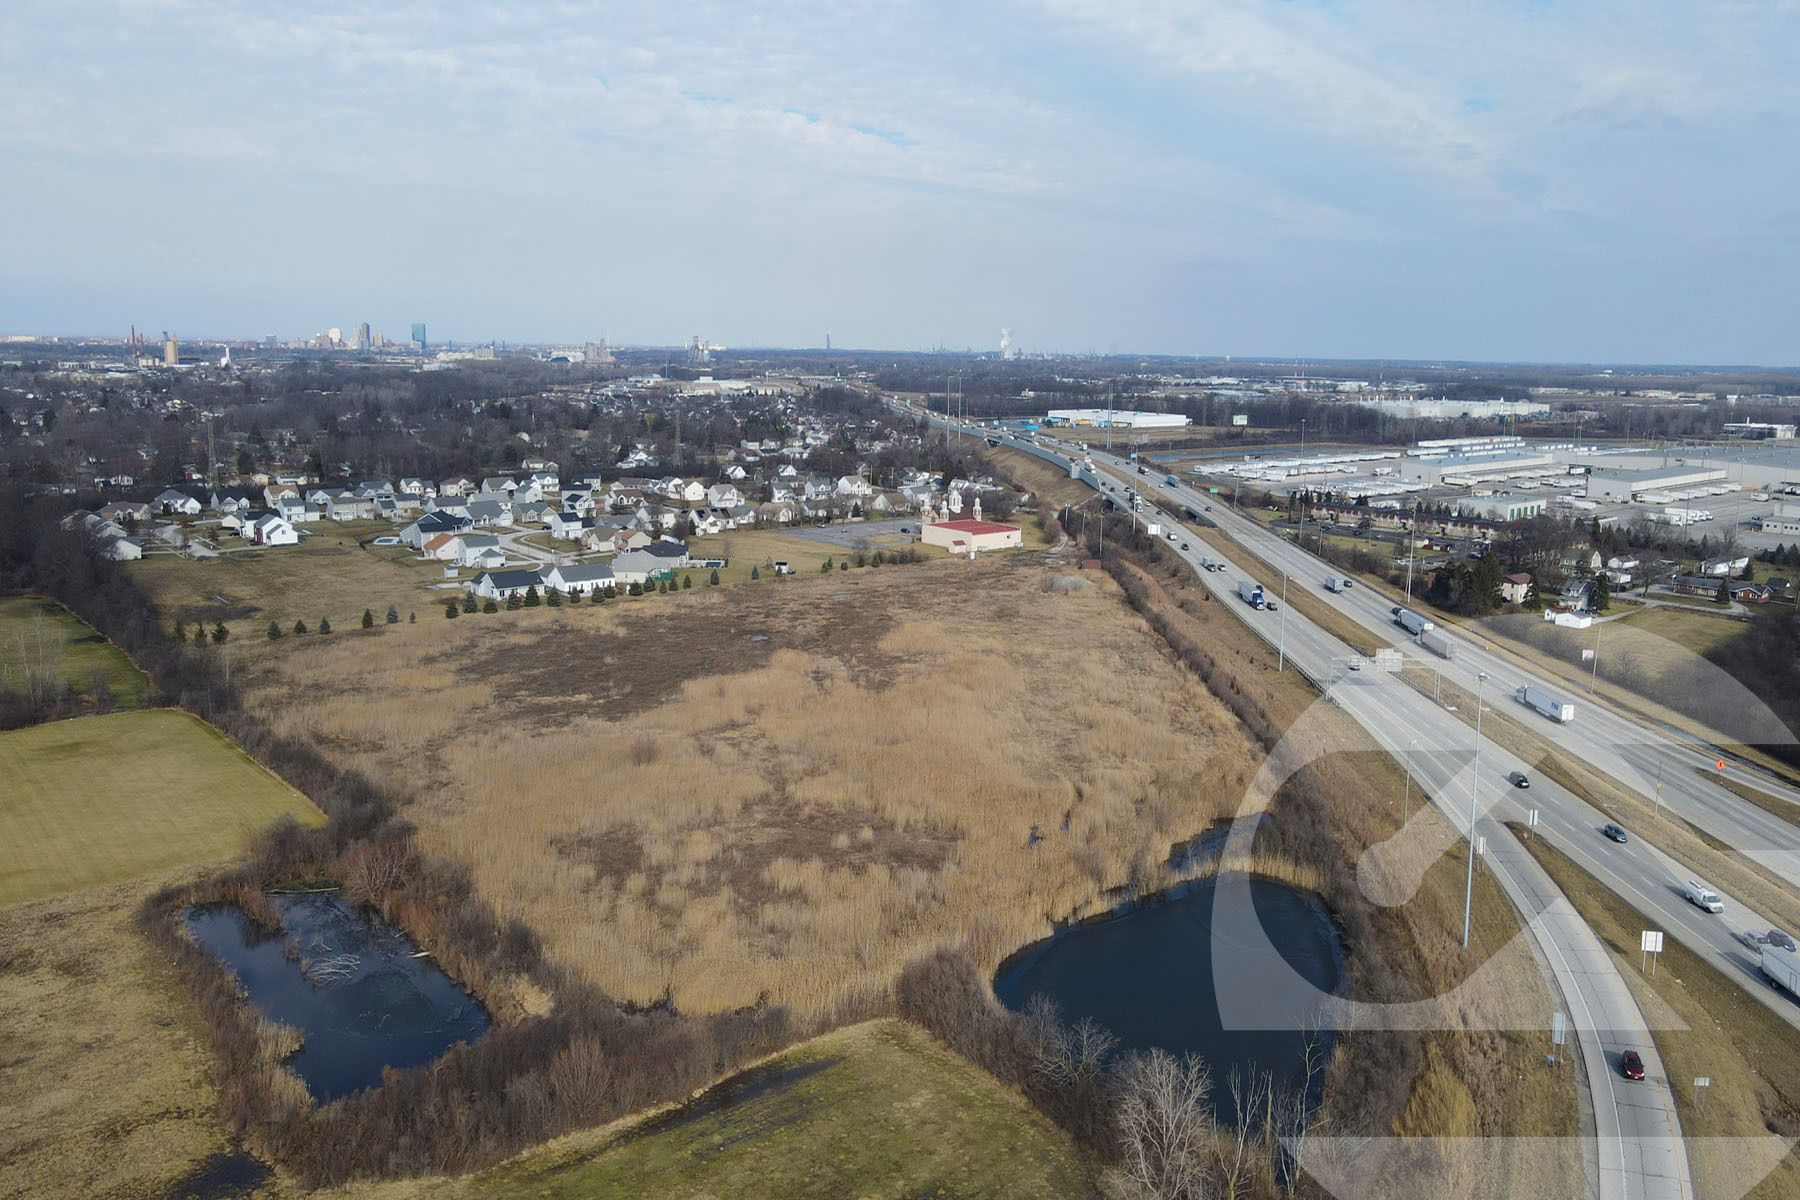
(629, 539)
(535, 511)
(1751, 593)
(500, 483)
(268, 529)
(430, 526)
(1515, 588)
(778, 512)
(490, 513)
(503, 585)
(443, 546)
(581, 579)
(568, 526)
(853, 486)
(1695, 585)
(472, 546)
(723, 495)
(121, 549)
(668, 551)
(177, 504)
(461, 485)
(640, 567)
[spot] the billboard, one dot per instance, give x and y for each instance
(1240, 419)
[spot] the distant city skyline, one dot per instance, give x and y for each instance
(1612, 182)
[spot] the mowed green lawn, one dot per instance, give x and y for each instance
(30, 625)
(879, 1109)
(101, 799)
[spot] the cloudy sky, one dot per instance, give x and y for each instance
(1609, 180)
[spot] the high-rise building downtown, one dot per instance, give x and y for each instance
(418, 336)
(361, 341)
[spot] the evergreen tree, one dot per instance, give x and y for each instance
(452, 609)
(825, 567)
(515, 602)
(274, 631)
(199, 635)
(324, 624)
(634, 590)
(180, 630)
(687, 581)
(299, 628)
(713, 579)
(1724, 596)
(219, 634)
(1602, 599)
(412, 618)
(368, 619)
(470, 604)
(532, 599)
(755, 574)
(552, 597)
(843, 564)
(393, 615)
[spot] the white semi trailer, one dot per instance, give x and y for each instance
(1783, 968)
(1551, 706)
(1251, 593)
(1412, 622)
(1435, 641)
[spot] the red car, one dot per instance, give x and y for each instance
(1630, 1065)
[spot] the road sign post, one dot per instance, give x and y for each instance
(1701, 1083)
(1559, 1031)
(1651, 942)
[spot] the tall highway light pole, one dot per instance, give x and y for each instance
(1281, 642)
(1474, 790)
(1406, 812)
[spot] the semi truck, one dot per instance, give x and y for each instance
(1251, 593)
(1435, 641)
(1336, 583)
(1412, 622)
(1551, 706)
(1173, 481)
(1783, 968)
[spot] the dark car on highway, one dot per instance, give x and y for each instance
(1518, 779)
(1615, 833)
(1630, 1065)
(1778, 938)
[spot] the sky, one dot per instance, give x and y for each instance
(1514, 180)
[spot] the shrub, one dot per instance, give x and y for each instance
(274, 631)
(199, 635)
(490, 607)
(219, 634)
(452, 608)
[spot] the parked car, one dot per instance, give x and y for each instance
(1518, 779)
(1615, 833)
(1630, 1065)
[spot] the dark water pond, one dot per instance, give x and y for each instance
(1236, 970)
(357, 993)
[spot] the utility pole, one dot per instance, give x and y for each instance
(1412, 548)
(1594, 675)
(1474, 790)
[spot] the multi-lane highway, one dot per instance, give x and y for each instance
(1638, 1147)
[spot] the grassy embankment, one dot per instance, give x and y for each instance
(114, 797)
(879, 1109)
(38, 633)
(1750, 1054)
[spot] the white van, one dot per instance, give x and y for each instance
(1704, 897)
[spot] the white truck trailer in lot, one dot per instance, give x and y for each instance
(1435, 641)
(1783, 968)
(1412, 622)
(1551, 706)
(1251, 593)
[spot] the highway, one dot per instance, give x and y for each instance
(1638, 1148)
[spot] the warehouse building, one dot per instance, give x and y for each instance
(1123, 418)
(1503, 508)
(1621, 486)
(968, 537)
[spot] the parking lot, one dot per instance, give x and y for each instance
(845, 536)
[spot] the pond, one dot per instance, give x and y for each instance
(1237, 969)
(358, 993)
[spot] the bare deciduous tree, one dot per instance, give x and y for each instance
(1166, 1125)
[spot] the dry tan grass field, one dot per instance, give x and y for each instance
(785, 791)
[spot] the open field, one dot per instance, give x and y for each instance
(783, 791)
(102, 1078)
(102, 799)
(327, 576)
(40, 634)
(872, 1110)
(1751, 1056)
(763, 548)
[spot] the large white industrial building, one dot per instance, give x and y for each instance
(1121, 418)
(1623, 485)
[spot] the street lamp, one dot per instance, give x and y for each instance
(1474, 789)
(1281, 642)
(1407, 810)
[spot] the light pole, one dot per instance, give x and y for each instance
(1412, 548)
(1594, 675)
(1474, 789)
(1281, 642)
